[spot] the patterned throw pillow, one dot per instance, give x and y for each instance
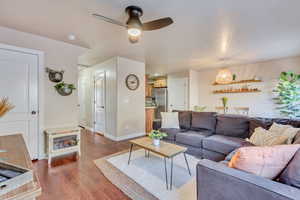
(278, 128)
(262, 137)
(285, 130)
(267, 162)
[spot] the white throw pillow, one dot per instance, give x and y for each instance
(285, 130)
(169, 120)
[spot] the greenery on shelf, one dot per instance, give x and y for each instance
(62, 85)
(199, 108)
(288, 94)
(156, 134)
(224, 101)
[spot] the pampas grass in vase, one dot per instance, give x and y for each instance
(5, 106)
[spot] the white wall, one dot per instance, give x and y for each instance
(178, 91)
(125, 109)
(131, 104)
(194, 92)
(58, 110)
(110, 69)
(260, 104)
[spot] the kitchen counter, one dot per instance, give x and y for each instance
(150, 107)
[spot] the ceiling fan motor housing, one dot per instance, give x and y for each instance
(134, 14)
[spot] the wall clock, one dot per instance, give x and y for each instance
(132, 82)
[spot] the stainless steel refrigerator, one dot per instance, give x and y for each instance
(161, 99)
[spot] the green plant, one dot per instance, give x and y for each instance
(62, 85)
(199, 108)
(224, 101)
(234, 77)
(156, 134)
(288, 94)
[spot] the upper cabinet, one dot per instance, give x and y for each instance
(148, 87)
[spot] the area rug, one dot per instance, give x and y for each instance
(144, 178)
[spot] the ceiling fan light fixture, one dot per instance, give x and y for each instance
(133, 39)
(134, 32)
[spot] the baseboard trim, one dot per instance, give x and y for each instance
(88, 128)
(124, 137)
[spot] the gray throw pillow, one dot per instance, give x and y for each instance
(291, 174)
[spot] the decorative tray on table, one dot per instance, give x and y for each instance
(12, 177)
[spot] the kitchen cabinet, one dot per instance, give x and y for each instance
(149, 118)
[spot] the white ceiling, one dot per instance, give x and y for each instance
(204, 30)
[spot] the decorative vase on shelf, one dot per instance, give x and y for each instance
(156, 142)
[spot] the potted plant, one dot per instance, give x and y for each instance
(64, 89)
(225, 102)
(156, 136)
(288, 94)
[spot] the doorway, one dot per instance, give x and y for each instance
(19, 80)
(99, 103)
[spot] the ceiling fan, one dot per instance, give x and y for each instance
(134, 25)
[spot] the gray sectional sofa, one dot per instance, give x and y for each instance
(208, 135)
(213, 138)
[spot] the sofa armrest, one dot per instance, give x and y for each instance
(216, 181)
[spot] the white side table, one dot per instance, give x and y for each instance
(60, 141)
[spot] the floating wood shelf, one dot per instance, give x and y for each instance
(235, 91)
(239, 82)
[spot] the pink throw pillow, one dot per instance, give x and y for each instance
(267, 162)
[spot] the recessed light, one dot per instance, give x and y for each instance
(71, 37)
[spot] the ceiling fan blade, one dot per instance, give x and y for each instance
(109, 20)
(157, 24)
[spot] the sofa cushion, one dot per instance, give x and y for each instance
(266, 123)
(293, 122)
(171, 132)
(291, 174)
(185, 119)
(233, 126)
(204, 121)
(194, 151)
(212, 155)
(192, 138)
(222, 144)
(256, 122)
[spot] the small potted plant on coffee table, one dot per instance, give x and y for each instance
(156, 136)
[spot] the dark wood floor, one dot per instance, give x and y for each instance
(71, 179)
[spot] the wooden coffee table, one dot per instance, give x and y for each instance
(166, 150)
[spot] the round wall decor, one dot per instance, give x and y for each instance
(132, 82)
(54, 75)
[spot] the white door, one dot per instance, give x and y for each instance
(19, 82)
(177, 94)
(100, 103)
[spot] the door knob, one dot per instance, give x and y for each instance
(33, 112)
